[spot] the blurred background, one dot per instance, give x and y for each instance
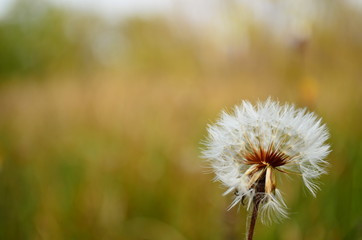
(103, 105)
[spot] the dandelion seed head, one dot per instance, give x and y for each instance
(247, 147)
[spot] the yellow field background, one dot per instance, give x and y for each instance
(108, 146)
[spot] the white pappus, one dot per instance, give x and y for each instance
(246, 148)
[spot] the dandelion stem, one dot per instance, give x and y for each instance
(253, 219)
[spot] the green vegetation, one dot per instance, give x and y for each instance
(100, 125)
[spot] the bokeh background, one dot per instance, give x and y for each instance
(103, 105)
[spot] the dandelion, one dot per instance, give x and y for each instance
(249, 147)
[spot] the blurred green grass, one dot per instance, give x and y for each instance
(112, 152)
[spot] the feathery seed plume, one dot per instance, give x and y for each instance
(248, 147)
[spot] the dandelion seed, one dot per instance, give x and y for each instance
(248, 147)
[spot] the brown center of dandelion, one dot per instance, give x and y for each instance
(269, 157)
(261, 176)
